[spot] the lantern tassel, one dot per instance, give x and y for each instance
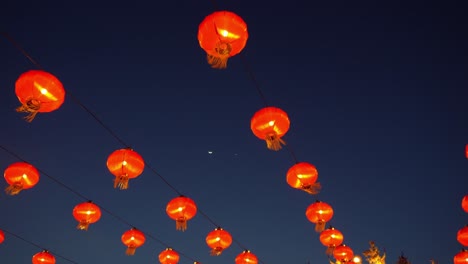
(320, 226)
(32, 107)
(121, 182)
(181, 224)
(217, 62)
(83, 225)
(330, 250)
(216, 251)
(274, 142)
(312, 189)
(130, 251)
(14, 189)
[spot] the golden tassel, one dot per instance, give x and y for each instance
(83, 225)
(320, 226)
(14, 189)
(219, 61)
(330, 250)
(32, 107)
(312, 189)
(274, 142)
(121, 182)
(130, 251)
(216, 251)
(181, 224)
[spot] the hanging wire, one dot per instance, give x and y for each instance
(16, 45)
(29, 57)
(88, 199)
(38, 246)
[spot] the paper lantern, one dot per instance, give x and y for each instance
(125, 164)
(43, 257)
(246, 257)
(2, 236)
(86, 213)
(222, 35)
(343, 253)
(39, 92)
(462, 236)
(133, 239)
(270, 124)
(461, 257)
(465, 203)
(303, 176)
(331, 238)
(169, 256)
(319, 213)
(20, 176)
(181, 209)
(218, 240)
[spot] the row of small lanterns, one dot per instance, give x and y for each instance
(222, 35)
(462, 235)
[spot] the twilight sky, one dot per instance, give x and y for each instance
(376, 94)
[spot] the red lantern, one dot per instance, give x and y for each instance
(20, 176)
(319, 213)
(303, 176)
(125, 164)
(39, 92)
(343, 253)
(86, 213)
(246, 257)
(465, 203)
(222, 35)
(43, 257)
(2, 236)
(462, 236)
(181, 209)
(466, 151)
(270, 124)
(133, 239)
(331, 238)
(218, 240)
(461, 257)
(169, 256)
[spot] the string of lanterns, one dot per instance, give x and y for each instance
(222, 35)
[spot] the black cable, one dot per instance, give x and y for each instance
(38, 246)
(87, 199)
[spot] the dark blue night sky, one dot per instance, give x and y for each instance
(376, 94)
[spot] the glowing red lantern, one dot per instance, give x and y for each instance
(20, 176)
(222, 35)
(246, 257)
(169, 256)
(303, 176)
(331, 238)
(2, 236)
(86, 213)
(125, 164)
(181, 209)
(462, 236)
(465, 203)
(133, 239)
(218, 240)
(343, 253)
(319, 213)
(461, 257)
(270, 124)
(39, 92)
(466, 151)
(43, 257)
